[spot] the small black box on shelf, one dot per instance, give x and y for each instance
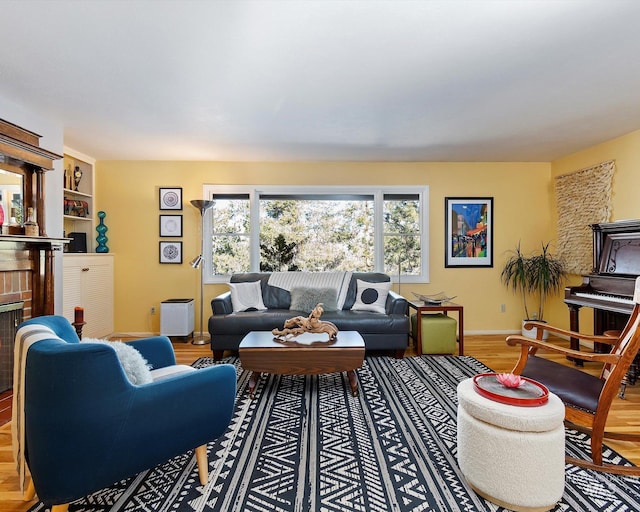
(78, 242)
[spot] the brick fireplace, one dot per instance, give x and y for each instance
(15, 286)
(26, 262)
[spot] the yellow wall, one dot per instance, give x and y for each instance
(128, 192)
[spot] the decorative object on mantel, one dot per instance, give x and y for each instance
(4, 228)
(299, 325)
(436, 298)
(102, 239)
(203, 205)
(31, 226)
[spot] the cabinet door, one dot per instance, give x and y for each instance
(88, 283)
(71, 289)
(97, 297)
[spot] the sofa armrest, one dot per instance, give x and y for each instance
(221, 305)
(396, 304)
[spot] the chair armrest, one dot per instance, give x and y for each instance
(157, 350)
(527, 343)
(396, 304)
(542, 326)
(221, 305)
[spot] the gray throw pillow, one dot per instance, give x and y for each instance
(305, 299)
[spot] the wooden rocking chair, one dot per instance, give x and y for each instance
(587, 398)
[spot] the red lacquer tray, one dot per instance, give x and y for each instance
(529, 394)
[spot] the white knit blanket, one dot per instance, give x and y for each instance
(25, 337)
(337, 280)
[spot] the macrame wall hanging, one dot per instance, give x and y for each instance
(583, 198)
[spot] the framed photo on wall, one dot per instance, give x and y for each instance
(170, 225)
(170, 252)
(171, 198)
(468, 231)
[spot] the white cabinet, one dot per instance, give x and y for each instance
(88, 282)
(79, 205)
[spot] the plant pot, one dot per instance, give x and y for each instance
(531, 333)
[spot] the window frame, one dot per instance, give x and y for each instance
(378, 192)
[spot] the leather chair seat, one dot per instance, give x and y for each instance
(574, 387)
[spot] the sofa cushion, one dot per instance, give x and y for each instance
(305, 299)
(371, 296)
(246, 296)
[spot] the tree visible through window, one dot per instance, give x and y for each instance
(316, 234)
(313, 231)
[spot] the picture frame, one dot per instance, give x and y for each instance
(171, 252)
(170, 225)
(468, 232)
(171, 198)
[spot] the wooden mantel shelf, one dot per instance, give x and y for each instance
(34, 239)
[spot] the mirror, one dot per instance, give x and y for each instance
(12, 196)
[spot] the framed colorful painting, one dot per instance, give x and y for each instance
(468, 232)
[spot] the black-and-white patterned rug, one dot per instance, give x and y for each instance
(306, 444)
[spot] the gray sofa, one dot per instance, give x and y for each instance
(388, 331)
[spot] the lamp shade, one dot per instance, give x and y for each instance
(202, 204)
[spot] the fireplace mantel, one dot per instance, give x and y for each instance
(27, 262)
(41, 240)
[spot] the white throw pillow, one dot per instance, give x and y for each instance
(135, 366)
(371, 296)
(246, 296)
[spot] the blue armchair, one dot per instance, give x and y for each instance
(86, 426)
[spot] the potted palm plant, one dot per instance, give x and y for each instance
(537, 275)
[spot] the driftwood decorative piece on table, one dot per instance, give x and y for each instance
(299, 325)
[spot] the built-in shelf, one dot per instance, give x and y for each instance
(75, 217)
(68, 191)
(79, 226)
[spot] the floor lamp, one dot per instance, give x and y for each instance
(198, 262)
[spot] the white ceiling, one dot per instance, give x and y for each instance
(431, 80)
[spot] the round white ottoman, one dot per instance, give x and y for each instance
(511, 455)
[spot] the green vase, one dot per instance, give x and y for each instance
(102, 237)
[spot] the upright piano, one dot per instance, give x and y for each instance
(609, 288)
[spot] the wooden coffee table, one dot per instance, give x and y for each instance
(261, 352)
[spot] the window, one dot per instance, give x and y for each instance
(314, 229)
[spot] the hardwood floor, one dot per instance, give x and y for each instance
(491, 350)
